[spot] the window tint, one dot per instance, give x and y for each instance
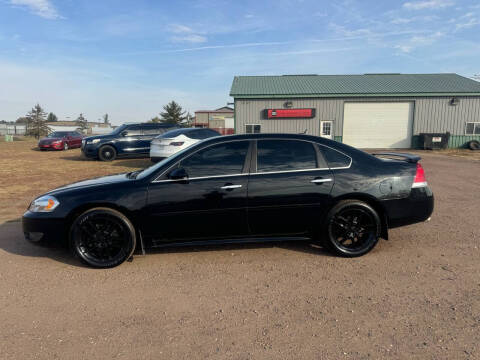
(201, 134)
(134, 130)
(282, 155)
(221, 159)
(334, 158)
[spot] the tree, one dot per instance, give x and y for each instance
(81, 122)
(23, 120)
(52, 117)
(36, 124)
(173, 114)
(105, 119)
(189, 119)
(156, 119)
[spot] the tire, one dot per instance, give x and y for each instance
(102, 237)
(352, 228)
(474, 145)
(65, 146)
(107, 153)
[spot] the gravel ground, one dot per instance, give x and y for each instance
(416, 296)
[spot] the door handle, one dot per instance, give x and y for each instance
(230, 187)
(320, 181)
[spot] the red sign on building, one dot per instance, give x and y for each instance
(289, 113)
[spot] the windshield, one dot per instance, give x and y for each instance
(119, 129)
(58, 134)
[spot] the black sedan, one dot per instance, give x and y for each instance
(237, 188)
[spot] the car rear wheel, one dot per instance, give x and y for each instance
(107, 153)
(352, 228)
(102, 237)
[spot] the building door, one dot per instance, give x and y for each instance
(378, 124)
(326, 129)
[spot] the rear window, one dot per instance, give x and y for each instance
(284, 155)
(335, 158)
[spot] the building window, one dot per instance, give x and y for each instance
(252, 129)
(472, 128)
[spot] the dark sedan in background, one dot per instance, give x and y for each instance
(61, 140)
(238, 188)
(128, 140)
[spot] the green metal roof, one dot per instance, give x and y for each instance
(354, 85)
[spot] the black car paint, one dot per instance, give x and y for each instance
(266, 205)
(135, 144)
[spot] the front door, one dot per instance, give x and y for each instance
(290, 190)
(211, 203)
(326, 129)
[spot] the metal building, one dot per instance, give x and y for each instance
(366, 111)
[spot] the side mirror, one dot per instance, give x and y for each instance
(124, 133)
(178, 174)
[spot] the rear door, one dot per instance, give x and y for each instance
(132, 140)
(289, 187)
(211, 203)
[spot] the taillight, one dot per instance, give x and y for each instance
(420, 179)
(177, 143)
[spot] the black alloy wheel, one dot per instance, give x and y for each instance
(107, 153)
(352, 228)
(102, 237)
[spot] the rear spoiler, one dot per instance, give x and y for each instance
(406, 157)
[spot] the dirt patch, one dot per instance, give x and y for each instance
(27, 172)
(416, 296)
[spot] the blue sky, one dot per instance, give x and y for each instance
(128, 58)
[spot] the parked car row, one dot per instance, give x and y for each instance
(129, 140)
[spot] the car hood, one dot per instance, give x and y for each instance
(106, 136)
(111, 179)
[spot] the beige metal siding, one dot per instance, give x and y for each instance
(251, 112)
(430, 114)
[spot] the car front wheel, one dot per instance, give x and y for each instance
(352, 228)
(102, 237)
(107, 153)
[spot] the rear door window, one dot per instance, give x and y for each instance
(335, 159)
(285, 155)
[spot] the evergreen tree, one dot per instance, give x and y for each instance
(173, 114)
(52, 117)
(156, 119)
(36, 124)
(81, 122)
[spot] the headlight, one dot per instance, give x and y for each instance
(94, 141)
(45, 203)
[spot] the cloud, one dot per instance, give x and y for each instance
(470, 23)
(191, 38)
(419, 41)
(428, 4)
(186, 34)
(179, 29)
(42, 8)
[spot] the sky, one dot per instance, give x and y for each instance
(129, 58)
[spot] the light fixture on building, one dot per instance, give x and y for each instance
(454, 101)
(288, 104)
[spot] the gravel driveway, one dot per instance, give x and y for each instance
(416, 296)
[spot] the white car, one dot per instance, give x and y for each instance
(173, 141)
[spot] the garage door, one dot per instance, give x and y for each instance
(378, 125)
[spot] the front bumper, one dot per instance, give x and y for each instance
(90, 150)
(418, 207)
(50, 146)
(41, 228)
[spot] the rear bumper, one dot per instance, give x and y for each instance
(418, 207)
(163, 151)
(39, 228)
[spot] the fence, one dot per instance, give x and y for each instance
(8, 129)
